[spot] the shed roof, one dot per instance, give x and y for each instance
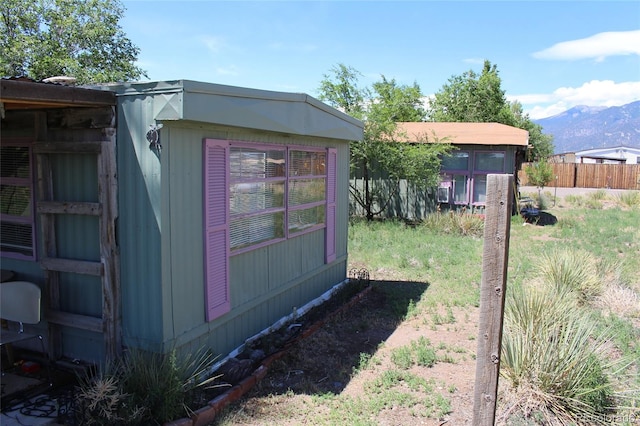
(291, 113)
(18, 93)
(463, 133)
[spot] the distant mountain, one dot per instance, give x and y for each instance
(585, 127)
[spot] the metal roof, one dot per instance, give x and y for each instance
(462, 133)
(291, 113)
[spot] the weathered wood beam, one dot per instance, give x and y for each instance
(55, 207)
(94, 147)
(74, 266)
(495, 259)
(82, 322)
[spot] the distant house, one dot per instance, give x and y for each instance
(171, 215)
(613, 155)
(481, 149)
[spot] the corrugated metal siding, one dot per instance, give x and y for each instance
(161, 224)
(266, 283)
(139, 224)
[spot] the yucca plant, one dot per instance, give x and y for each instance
(572, 270)
(143, 388)
(629, 198)
(554, 358)
(102, 401)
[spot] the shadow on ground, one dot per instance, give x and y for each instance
(324, 361)
(541, 219)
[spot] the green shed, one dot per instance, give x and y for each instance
(230, 211)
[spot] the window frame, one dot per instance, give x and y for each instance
(22, 220)
(482, 174)
(262, 212)
(287, 209)
(304, 206)
(457, 171)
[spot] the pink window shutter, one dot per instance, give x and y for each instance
(330, 239)
(216, 218)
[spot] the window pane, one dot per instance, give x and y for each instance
(456, 161)
(255, 196)
(480, 188)
(490, 161)
(459, 189)
(16, 238)
(307, 163)
(250, 163)
(14, 162)
(303, 191)
(252, 230)
(299, 220)
(15, 200)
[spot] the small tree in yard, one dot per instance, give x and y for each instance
(539, 174)
(379, 154)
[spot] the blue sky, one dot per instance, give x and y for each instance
(551, 55)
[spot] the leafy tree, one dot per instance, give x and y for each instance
(379, 154)
(479, 98)
(76, 38)
(541, 144)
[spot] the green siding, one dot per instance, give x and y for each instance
(162, 273)
(160, 230)
(139, 226)
(265, 284)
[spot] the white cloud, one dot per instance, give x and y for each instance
(598, 46)
(593, 93)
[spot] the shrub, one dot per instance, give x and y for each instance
(142, 387)
(554, 358)
(101, 401)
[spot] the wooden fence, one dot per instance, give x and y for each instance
(579, 175)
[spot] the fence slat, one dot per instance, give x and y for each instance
(581, 175)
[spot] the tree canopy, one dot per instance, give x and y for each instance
(380, 107)
(75, 38)
(472, 97)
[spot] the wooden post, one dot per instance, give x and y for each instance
(493, 287)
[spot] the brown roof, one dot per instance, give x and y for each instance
(21, 93)
(463, 133)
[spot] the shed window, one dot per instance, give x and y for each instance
(306, 194)
(255, 195)
(16, 201)
(489, 161)
(485, 162)
(458, 160)
(274, 192)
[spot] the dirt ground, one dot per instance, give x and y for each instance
(324, 362)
